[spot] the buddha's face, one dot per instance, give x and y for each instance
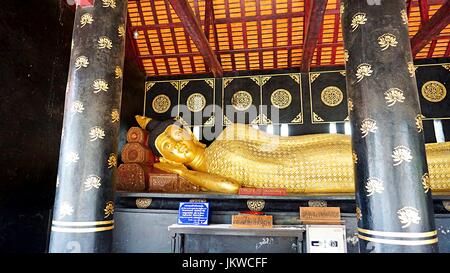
(177, 144)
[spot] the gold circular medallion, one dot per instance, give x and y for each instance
(161, 104)
(281, 98)
(332, 96)
(196, 102)
(434, 91)
(241, 100)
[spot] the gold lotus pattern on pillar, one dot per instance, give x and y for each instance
(92, 181)
(100, 85)
(112, 161)
(241, 100)
(354, 157)
(408, 216)
(363, 70)
(374, 185)
(96, 133)
(66, 209)
(72, 157)
(331, 96)
(77, 107)
(404, 16)
(426, 182)
(387, 40)
(394, 95)
(411, 69)
(118, 72)
(109, 209)
(346, 55)
(419, 122)
(281, 98)
(161, 103)
(358, 214)
(368, 126)
(115, 116)
(109, 3)
(86, 19)
(121, 31)
(81, 61)
(350, 105)
(104, 42)
(401, 154)
(357, 20)
(196, 102)
(434, 91)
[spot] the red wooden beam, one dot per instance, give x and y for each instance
(208, 17)
(192, 26)
(423, 7)
(314, 20)
(431, 29)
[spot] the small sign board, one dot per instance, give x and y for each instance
(191, 213)
(251, 221)
(320, 215)
(325, 239)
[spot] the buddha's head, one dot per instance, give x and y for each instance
(171, 141)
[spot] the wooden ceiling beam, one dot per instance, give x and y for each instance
(313, 20)
(423, 7)
(193, 27)
(431, 29)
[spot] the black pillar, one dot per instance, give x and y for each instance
(84, 202)
(394, 206)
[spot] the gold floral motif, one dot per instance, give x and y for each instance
(78, 106)
(317, 118)
(281, 98)
(331, 96)
(368, 126)
(354, 158)
(394, 95)
(196, 102)
(404, 16)
(295, 77)
(104, 42)
(109, 209)
(226, 82)
(121, 31)
(175, 84)
(313, 76)
(408, 216)
(265, 79)
(92, 181)
(96, 133)
(350, 105)
(341, 9)
(143, 203)
(374, 185)
(387, 40)
(210, 82)
(256, 79)
(161, 104)
(358, 214)
(256, 205)
(346, 55)
(434, 91)
(446, 66)
(357, 20)
(72, 157)
(211, 121)
(241, 100)
(100, 85)
(411, 69)
(261, 119)
(298, 118)
(118, 72)
(86, 19)
(426, 182)
(66, 209)
(112, 161)
(226, 120)
(109, 3)
(148, 86)
(363, 70)
(401, 154)
(81, 61)
(182, 84)
(115, 116)
(419, 122)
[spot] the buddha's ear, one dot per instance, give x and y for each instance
(194, 139)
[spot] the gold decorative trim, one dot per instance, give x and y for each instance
(109, 209)
(210, 82)
(281, 98)
(434, 91)
(331, 96)
(143, 203)
(261, 119)
(121, 31)
(446, 66)
(412, 69)
(264, 79)
(426, 182)
(419, 122)
(226, 82)
(181, 121)
(399, 242)
(82, 224)
(313, 76)
(175, 84)
(256, 79)
(196, 102)
(256, 205)
(298, 118)
(241, 100)
(149, 85)
(112, 161)
(210, 122)
(226, 120)
(182, 84)
(343, 73)
(404, 16)
(398, 234)
(81, 230)
(358, 214)
(118, 73)
(295, 77)
(161, 104)
(317, 118)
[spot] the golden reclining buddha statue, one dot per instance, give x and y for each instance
(242, 156)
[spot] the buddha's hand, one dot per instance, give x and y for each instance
(170, 167)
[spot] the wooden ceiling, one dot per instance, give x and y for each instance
(258, 34)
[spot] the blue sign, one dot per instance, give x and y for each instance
(193, 213)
